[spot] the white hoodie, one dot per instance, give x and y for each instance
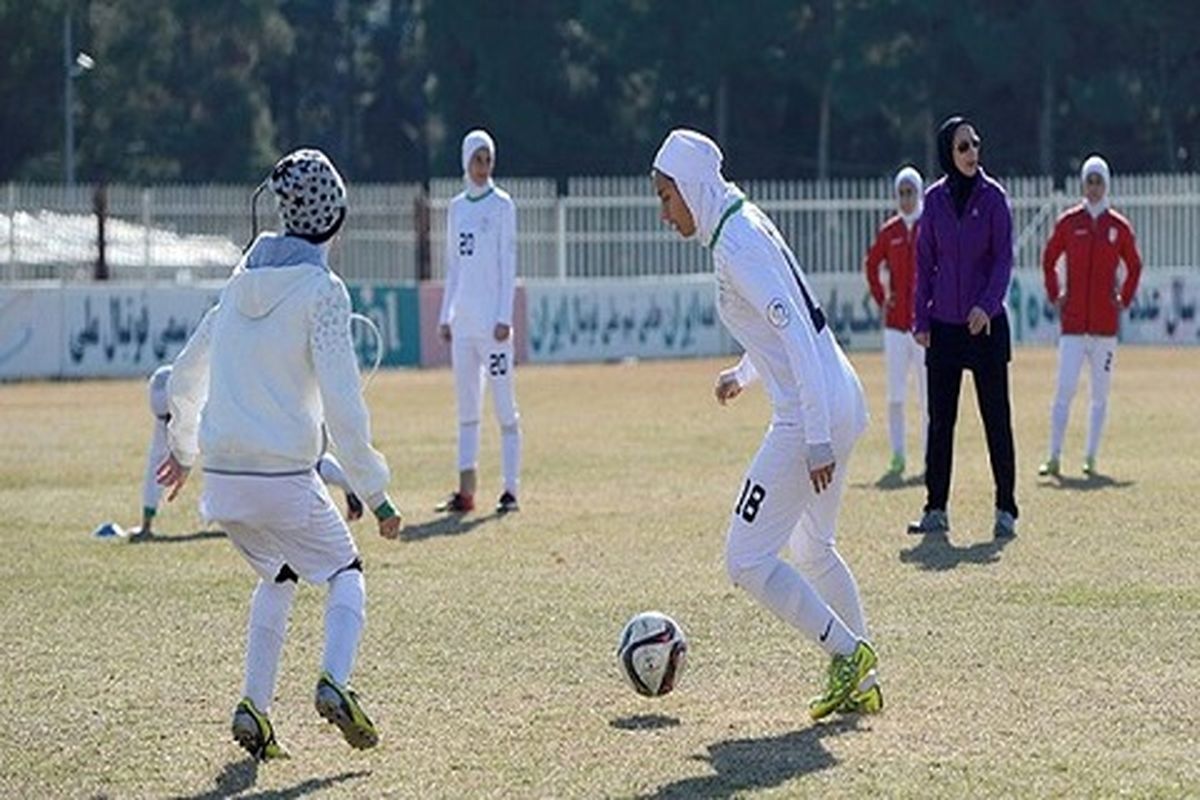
(266, 365)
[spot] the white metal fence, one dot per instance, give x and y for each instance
(601, 227)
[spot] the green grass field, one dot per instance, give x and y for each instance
(1064, 665)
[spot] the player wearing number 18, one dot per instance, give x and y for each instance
(477, 318)
(794, 485)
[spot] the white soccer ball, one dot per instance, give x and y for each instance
(652, 653)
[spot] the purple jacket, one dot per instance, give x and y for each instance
(964, 262)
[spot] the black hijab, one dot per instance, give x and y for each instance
(960, 185)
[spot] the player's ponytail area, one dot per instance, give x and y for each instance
(1063, 664)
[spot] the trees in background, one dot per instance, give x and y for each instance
(185, 90)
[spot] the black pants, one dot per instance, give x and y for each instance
(952, 349)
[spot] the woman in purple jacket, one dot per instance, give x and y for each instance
(964, 263)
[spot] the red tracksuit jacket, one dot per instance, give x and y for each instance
(1093, 247)
(896, 245)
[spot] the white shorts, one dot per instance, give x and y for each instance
(277, 520)
(776, 500)
(476, 361)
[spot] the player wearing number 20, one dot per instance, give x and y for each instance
(794, 485)
(477, 318)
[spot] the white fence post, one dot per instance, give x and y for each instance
(12, 231)
(560, 235)
(145, 233)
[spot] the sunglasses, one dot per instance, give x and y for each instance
(1095, 180)
(967, 144)
(906, 191)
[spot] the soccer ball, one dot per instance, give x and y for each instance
(652, 653)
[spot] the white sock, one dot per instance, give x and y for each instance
(896, 427)
(269, 609)
(1099, 413)
(345, 614)
(510, 457)
(835, 583)
(1059, 414)
(782, 589)
(468, 445)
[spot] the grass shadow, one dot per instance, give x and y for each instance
(452, 525)
(1084, 483)
(889, 482)
(744, 765)
(238, 776)
(305, 788)
(935, 552)
(195, 536)
(644, 722)
(235, 778)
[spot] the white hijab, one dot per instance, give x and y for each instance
(693, 161)
(910, 176)
(1095, 165)
(476, 139)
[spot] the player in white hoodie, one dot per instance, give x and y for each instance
(248, 393)
(477, 319)
(328, 468)
(794, 486)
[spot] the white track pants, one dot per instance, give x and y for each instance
(904, 356)
(1100, 353)
(478, 362)
(776, 503)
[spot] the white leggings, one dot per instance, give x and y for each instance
(1100, 352)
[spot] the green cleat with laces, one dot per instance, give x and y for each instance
(896, 467)
(1089, 466)
(864, 702)
(845, 675)
(1049, 467)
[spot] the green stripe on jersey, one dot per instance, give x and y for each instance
(729, 212)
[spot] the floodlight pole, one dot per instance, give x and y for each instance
(68, 102)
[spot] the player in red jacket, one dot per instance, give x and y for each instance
(1094, 238)
(896, 245)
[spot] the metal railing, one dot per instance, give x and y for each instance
(600, 228)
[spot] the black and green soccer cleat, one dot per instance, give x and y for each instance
(254, 732)
(339, 706)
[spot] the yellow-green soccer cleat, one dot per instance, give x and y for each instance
(1089, 466)
(1049, 467)
(845, 674)
(868, 702)
(896, 467)
(339, 705)
(254, 732)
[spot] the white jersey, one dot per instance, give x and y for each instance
(481, 263)
(765, 303)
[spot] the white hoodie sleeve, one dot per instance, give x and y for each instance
(758, 274)
(451, 255)
(341, 394)
(187, 392)
(508, 264)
